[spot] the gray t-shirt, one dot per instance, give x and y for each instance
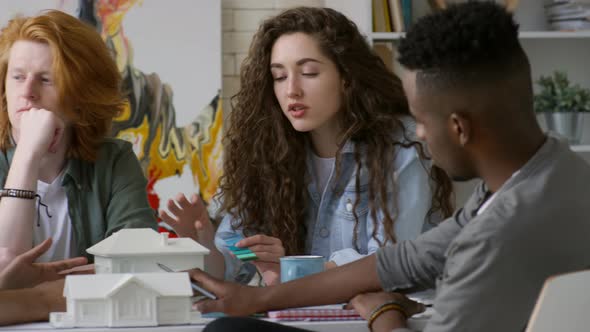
(488, 268)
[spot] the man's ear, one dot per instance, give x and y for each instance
(461, 127)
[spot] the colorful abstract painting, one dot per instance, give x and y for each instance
(149, 121)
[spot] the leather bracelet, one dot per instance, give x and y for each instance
(26, 194)
(384, 307)
(17, 193)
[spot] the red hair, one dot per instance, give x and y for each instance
(87, 78)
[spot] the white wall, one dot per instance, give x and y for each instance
(181, 42)
(9, 8)
(355, 10)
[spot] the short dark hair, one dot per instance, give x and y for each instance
(468, 43)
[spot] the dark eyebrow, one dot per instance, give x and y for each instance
(299, 62)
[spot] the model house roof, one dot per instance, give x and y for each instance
(100, 286)
(145, 241)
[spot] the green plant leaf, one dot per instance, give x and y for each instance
(557, 94)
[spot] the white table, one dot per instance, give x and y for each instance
(417, 323)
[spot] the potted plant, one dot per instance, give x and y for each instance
(562, 104)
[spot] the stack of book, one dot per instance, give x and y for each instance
(392, 15)
(568, 15)
(316, 313)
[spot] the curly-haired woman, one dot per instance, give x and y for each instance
(320, 153)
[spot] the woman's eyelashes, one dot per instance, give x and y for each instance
(283, 77)
(279, 78)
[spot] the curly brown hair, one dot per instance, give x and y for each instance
(265, 178)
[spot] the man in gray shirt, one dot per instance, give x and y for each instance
(468, 84)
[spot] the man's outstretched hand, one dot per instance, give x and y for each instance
(23, 272)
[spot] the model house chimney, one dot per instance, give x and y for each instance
(164, 237)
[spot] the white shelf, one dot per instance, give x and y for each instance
(392, 36)
(554, 34)
(581, 148)
(386, 36)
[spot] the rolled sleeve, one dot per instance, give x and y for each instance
(235, 270)
(345, 256)
(416, 263)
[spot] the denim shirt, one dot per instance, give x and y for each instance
(103, 196)
(330, 219)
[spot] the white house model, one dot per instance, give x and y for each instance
(141, 249)
(129, 287)
(116, 300)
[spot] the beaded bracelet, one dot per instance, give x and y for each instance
(386, 306)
